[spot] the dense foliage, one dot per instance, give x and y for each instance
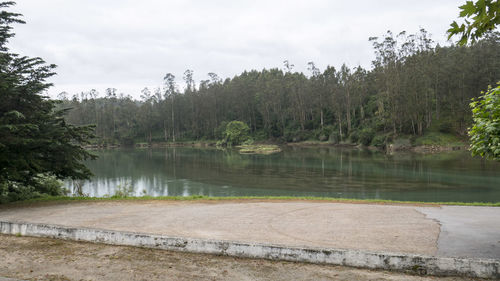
(37, 145)
(413, 86)
(485, 133)
(236, 133)
(479, 17)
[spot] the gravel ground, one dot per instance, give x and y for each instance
(31, 258)
(367, 227)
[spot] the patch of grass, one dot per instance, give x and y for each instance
(438, 138)
(290, 198)
(259, 149)
(402, 141)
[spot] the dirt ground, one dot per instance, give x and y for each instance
(31, 258)
(398, 229)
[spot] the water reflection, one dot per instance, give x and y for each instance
(325, 171)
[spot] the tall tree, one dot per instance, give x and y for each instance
(35, 140)
(169, 92)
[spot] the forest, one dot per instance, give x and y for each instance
(414, 87)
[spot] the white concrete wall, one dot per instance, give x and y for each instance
(483, 268)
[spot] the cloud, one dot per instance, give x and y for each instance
(129, 44)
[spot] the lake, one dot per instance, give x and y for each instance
(296, 171)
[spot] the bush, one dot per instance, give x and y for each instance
(51, 186)
(354, 136)
(436, 138)
(324, 134)
(260, 135)
(127, 141)
(485, 132)
(303, 136)
(236, 133)
(124, 190)
(298, 135)
(365, 136)
(249, 141)
(289, 134)
(221, 130)
(334, 137)
(379, 141)
(45, 185)
(446, 127)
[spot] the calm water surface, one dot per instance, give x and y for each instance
(322, 172)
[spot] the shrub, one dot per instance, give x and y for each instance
(50, 185)
(324, 134)
(365, 136)
(124, 190)
(379, 141)
(354, 136)
(485, 132)
(221, 130)
(334, 137)
(236, 133)
(249, 141)
(44, 185)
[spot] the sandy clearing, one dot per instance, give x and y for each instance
(50, 259)
(393, 228)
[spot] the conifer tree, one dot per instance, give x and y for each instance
(35, 140)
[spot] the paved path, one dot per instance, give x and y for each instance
(444, 231)
(467, 231)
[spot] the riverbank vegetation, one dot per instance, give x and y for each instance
(415, 88)
(265, 149)
(66, 199)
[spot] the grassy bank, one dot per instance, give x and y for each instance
(249, 198)
(265, 149)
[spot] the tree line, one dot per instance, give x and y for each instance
(413, 85)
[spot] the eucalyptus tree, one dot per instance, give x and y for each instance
(412, 84)
(214, 86)
(169, 93)
(332, 85)
(190, 94)
(346, 85)
(145, 114)
(387, 65)
(317, 84)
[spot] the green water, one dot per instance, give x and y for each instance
(322, 172)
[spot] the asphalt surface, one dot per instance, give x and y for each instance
(467, 231)
(455, 231)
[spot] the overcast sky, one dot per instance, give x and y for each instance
(132, 44)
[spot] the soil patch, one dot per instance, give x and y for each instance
(49, 259)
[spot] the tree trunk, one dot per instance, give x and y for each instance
(348, 112)
(321, 114)
(173, 121)
(165, 130)
(340, 125)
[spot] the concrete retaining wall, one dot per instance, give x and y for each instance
(484, 268)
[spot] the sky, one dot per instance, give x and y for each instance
(129, 45)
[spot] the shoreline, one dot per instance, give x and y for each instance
(391, 148)
(242, 199)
